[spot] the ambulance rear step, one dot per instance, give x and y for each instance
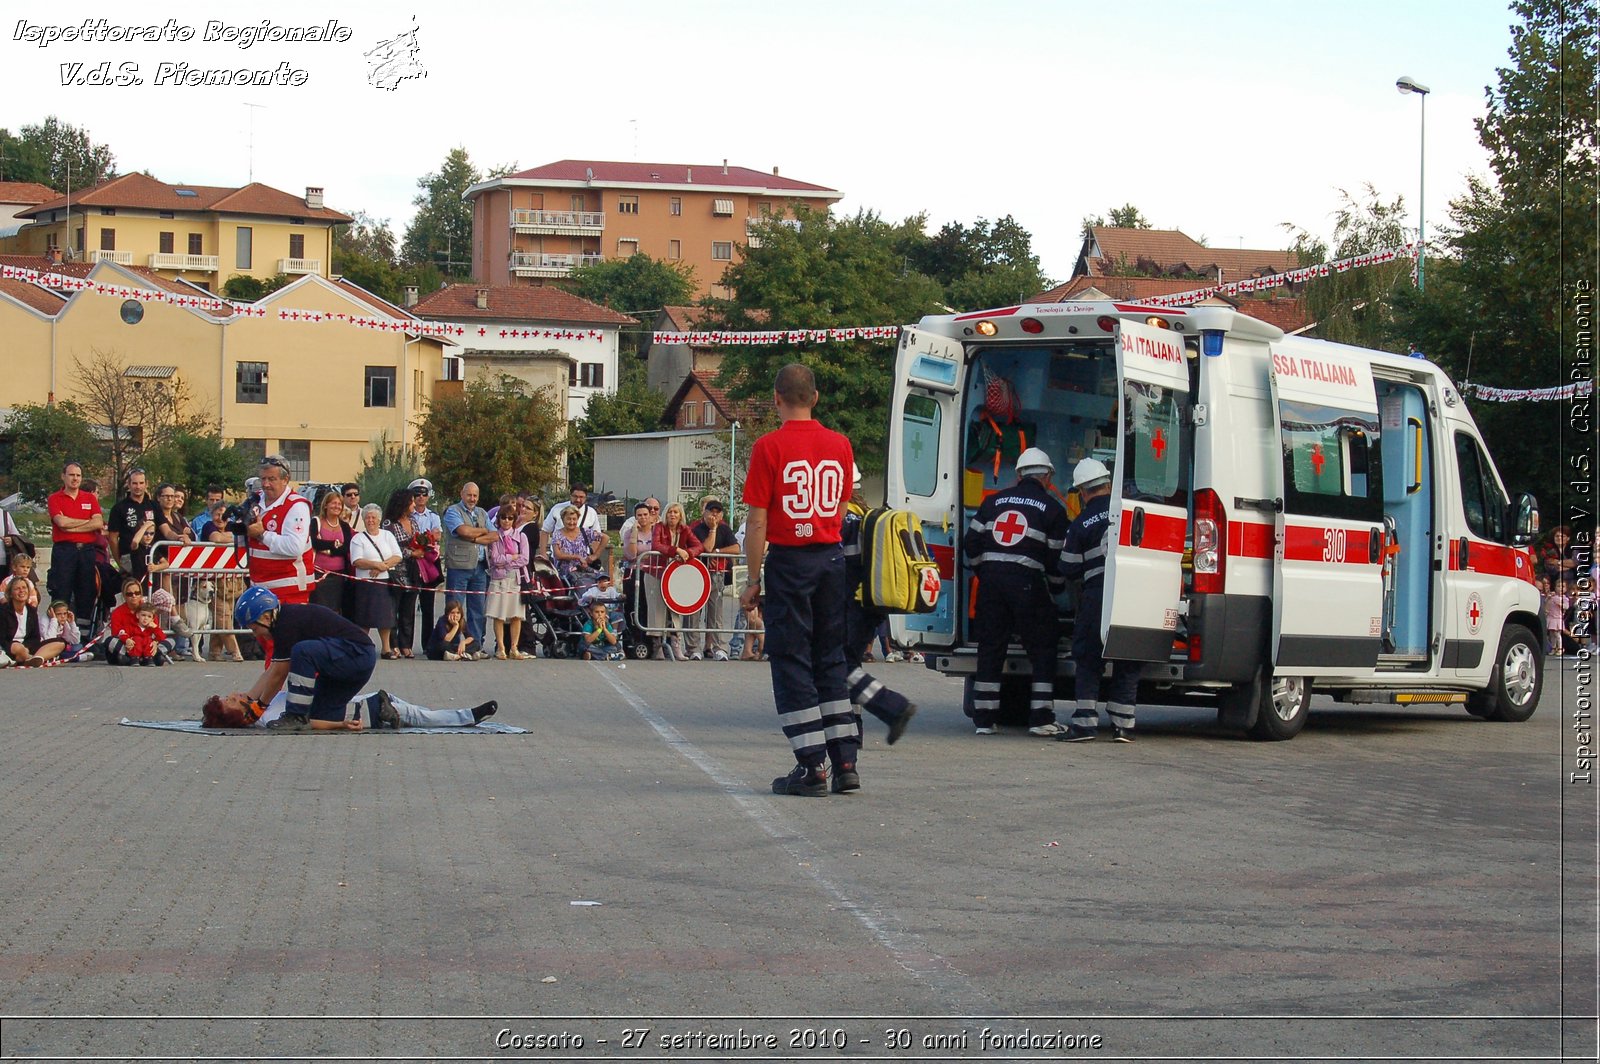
(1398, 696)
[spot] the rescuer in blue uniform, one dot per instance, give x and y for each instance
(860, 623)
(1014, 544)
(1085, 558)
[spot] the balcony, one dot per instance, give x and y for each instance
(558, 223)
(534, 264)
(121, 258)
(299, 265)
(197, 263)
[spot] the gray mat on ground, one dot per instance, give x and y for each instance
(193, 727)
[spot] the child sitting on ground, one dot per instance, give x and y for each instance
(142, 640)
(449, 640)
(168, 617)
(600, 641)
(755, 638)
(59, 623)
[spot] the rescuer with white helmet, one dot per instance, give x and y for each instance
(1085, 558)
(1014, 544)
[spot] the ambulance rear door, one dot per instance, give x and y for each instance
(1149, 497)
(924, 461)
(1327, 587)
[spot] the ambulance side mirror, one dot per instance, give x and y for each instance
(1525, 520)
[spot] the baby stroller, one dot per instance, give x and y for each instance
(554, 624)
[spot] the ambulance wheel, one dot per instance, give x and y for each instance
(1514, 685)
(1270, 708)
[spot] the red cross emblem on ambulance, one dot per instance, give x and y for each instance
(1010, 528)
(1474, 612)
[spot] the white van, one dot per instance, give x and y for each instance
(1287, 513)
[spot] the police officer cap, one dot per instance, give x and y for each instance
(422, 485)
(1033, 461)
(1089, 472)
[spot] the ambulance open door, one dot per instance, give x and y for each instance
(923, 452)
(1327, 586)
(1149, 496)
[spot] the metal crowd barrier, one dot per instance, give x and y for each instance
(212, 575)
(735, 577)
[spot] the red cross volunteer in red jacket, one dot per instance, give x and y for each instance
(280, 538)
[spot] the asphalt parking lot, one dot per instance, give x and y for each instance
(1396, 884)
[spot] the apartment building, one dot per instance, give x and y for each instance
(296, 376)
(202, 234)
(530, 227)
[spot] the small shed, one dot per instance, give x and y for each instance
(674, 465)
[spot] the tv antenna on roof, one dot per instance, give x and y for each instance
(251, 164)
(634, 122)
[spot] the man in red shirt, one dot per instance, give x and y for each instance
(796, 489)
(280, 537)
(75, 525)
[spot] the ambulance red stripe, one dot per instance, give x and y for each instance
(1162, 532)
(1492, 559)
(1312, 543)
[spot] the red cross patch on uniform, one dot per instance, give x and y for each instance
(1010, 527)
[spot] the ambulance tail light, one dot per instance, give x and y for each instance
(1210, 544)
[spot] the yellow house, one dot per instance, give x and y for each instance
(290, 376)
(199, 233)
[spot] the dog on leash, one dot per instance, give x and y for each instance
(199, 614)
(187, 621)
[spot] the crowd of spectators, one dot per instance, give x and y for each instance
(112, 597)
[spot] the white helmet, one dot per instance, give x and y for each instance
(1089, 472)
(855, 475)
(1034, 461)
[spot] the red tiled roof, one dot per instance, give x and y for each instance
(730, 410)
(43, 264)
(1134, 288)
(136, 191)
(26, 192)
(715, 176)
(377, 302)
(40, 299)
(516, 303)
(1167, 249)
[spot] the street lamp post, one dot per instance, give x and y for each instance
(1408, 85)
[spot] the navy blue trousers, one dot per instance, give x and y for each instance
(325, 674)
(805, 619)
(867, 692)
(1088, 655)
(1013, 600)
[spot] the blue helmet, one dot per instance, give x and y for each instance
(252, 604)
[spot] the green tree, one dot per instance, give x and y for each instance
(1126, 216)
(386, 467)
(52, 151)
(364, 252)
(1357, 306)
(196, 459)
(635, 407)
(440, 233)
(248, 289)
(638, 285)
(43, 436)
(982, 265)
(824, 272)
(500, 434)
(1502, 304)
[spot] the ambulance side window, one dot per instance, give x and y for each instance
(919, 454)
(1330, 462)
(1153, 445)
(1482, 502)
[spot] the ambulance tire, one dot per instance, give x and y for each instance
(1520, 659)
(1270, 708)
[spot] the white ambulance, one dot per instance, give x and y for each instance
(1288, 515)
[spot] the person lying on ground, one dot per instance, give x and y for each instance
(383, 710)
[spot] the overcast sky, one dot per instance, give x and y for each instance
(1220, 120)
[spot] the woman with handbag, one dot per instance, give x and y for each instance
(374, 553)
(408, 582)
(330, 552)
